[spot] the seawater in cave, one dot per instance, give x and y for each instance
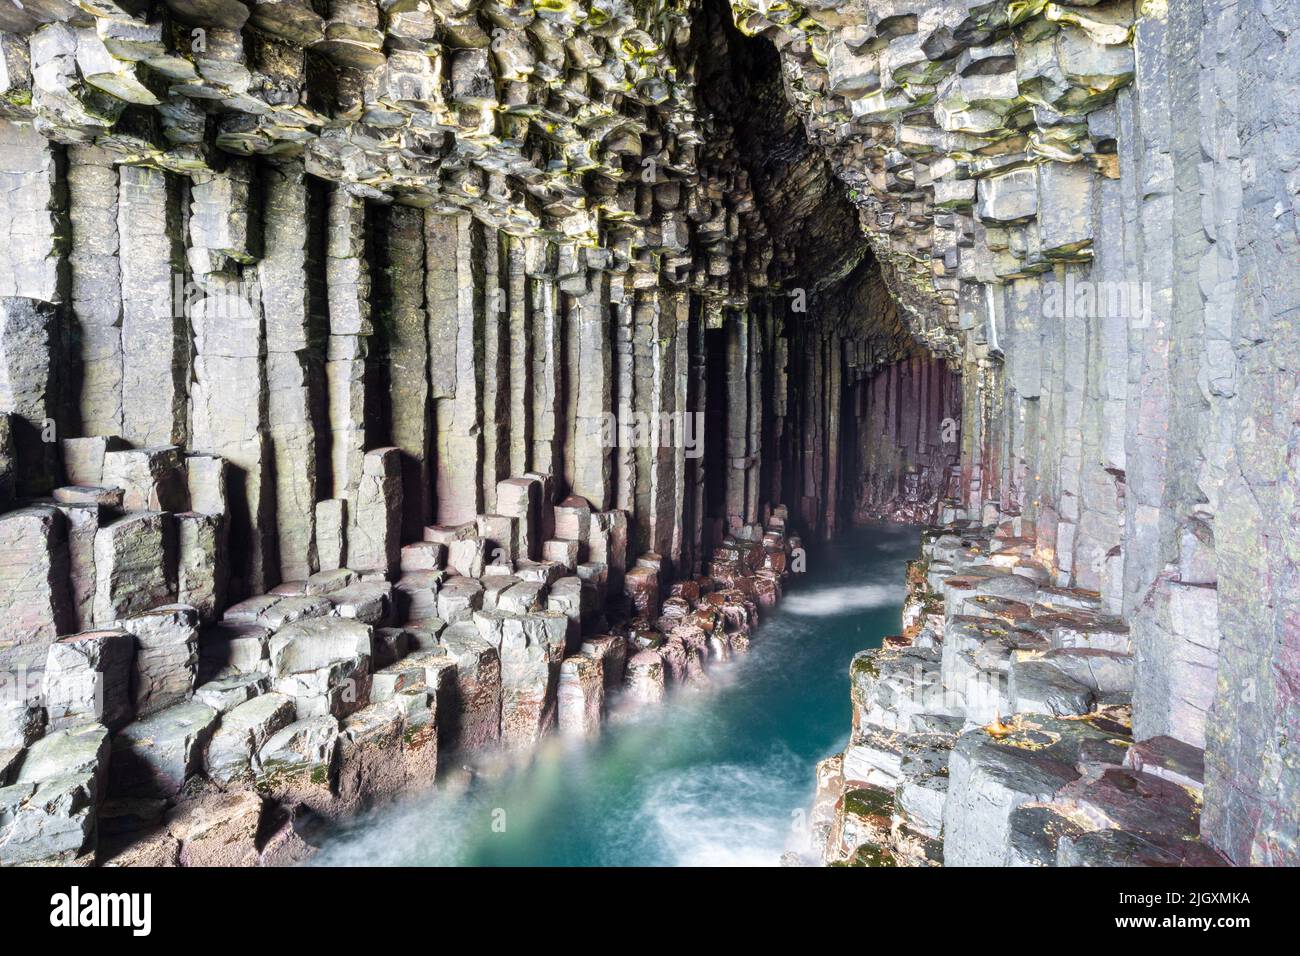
(723, 776)
(394, 386)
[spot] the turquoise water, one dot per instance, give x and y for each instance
(717, 776)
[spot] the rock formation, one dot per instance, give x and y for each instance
(379, 378)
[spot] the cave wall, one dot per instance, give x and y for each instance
(475, 231)
(1091, 210)
(253, 248)
(907, 461)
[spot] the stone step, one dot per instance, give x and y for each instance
(1169, 759)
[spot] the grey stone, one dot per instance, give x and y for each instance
(134, 565)
(581, 695)
(243, 731)
(166, 656)
(476, 720)
(89, 677)
(155, 756)
(34, 603)
(47, 814)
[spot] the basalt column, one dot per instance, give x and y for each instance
(1081, 211)
(457, 337)
(905, 428)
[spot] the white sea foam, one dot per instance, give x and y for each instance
(726, 814)
(439, 825)
(829, 602)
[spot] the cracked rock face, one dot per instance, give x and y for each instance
(412, 314)
(1067, 200)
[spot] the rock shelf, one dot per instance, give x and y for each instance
(175, 737)
(997, 730)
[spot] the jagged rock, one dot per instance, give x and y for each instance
(134, 569)
(889, 688)
(475, 721)
(89, 677)
(468, 556)
(251, 610)
(243, 731)
(107, 498)
(645, 677)
(396, 678)
(581, 695)
(519, 499)
(83, 458)
(166, 656)
(989, 776)
(1039, 687)
(283, 844)
(874, 757)
(323, 663)
(22, 715)
(290, 609)
(611, 651)
(34, 603)
(230, 649)
(423, 556)
(923, 785)
(1122, 848)
(561, 552)
(458, 599)
(389, 645)
(299, 764)
(369, 602)
(1169, 759)
(47, 812)
(419, 709)
(643, 589)
(1035, 832)
(329, 581)
(30, 333)
(530, 649)
(226, 693)
(206, 481)
(864, 821)
(82, 523)
(375, 532)
(521, 597)
(370, 759)
(1108, 674)
(155, 756)
(151, 479)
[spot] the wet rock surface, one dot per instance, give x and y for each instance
(167, 740)
(988, 749)
(398, 315)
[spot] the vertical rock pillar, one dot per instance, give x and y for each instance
(347, 281)
(406, 329)
(228, 400)
(294, 370)
(455, 295)
(155, 301)
(96, 287)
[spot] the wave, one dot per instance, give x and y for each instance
(728, 814)
(830, 602)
